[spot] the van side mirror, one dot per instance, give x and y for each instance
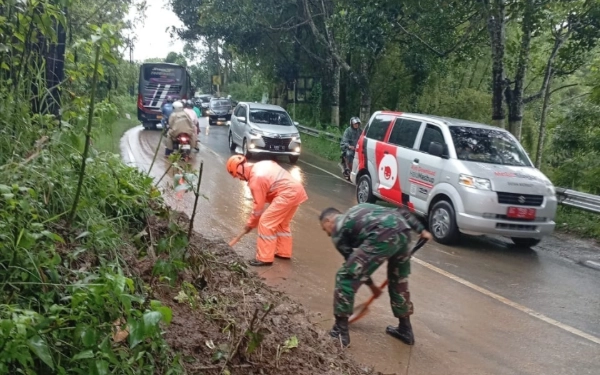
(436, 149)
(241, 119)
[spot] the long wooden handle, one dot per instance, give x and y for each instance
(235, 240)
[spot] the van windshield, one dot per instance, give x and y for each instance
(491, 146)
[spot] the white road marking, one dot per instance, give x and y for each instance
(131, 158)
(510, 303)
(326, 171)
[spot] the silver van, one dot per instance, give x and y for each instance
(459, 175)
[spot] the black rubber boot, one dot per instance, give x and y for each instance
(258, 263)
(403, 332)
(340, 330)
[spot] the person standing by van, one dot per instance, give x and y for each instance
(348, 143)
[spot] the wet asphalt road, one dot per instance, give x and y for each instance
(480, 308)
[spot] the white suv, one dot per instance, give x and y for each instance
(461, 176)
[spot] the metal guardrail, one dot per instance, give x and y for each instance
(319, 133)
(567, 197)
(577, 199)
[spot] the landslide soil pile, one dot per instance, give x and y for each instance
(226, 320)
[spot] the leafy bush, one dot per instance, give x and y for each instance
(68, 306)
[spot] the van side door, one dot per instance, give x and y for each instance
(372, 150)
(404, 136)
(426, 169)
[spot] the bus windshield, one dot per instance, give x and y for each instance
(163, 74)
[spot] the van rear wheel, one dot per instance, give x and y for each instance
(525, 243)
(364, 191)
(442, 223)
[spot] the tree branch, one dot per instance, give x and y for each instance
(311, 54)
(462, 40)
(558, 43)
(563, 87)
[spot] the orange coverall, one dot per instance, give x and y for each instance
(269, 183)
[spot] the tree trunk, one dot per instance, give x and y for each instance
(335, 101)
(515, 99)
(542, 134)
(365, 100)
(497, 29)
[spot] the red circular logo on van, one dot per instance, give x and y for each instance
(387, 172)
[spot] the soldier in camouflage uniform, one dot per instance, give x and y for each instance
(368, 235)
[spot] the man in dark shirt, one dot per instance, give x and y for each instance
(367, 235)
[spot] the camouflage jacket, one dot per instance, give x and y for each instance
(361, 221)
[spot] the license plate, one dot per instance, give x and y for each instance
(186, 147)
(276, 148)
(521, 213)
(221, 118)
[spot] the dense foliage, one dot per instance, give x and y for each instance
(68, 303)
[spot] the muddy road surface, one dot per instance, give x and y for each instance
(483, 307)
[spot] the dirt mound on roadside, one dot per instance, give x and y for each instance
(226, 320)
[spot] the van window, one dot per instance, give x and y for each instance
(432, 134)
(379, 127)
(405, 132)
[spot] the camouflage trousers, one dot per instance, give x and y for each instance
(387, 245)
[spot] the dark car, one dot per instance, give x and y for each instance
(219, 111)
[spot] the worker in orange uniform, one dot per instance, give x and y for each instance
(269, 183)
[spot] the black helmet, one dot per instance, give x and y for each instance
(354, 120)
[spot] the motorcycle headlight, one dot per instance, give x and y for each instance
(474, 182)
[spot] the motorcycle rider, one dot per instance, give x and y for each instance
(166, 110)
(180, 123)
(348, 144)
(189, 109)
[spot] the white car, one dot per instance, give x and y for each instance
(264, 128)
(461, 176)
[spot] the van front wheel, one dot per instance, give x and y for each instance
(364, 191)
(442, 223)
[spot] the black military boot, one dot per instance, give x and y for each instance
(340, 330)
(403, 332)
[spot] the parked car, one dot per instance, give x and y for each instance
(264, 128)
(219, 111)
(461, 176)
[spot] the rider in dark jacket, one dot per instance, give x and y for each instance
(348, 143)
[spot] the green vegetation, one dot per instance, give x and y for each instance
(111, 126)
(69, 302)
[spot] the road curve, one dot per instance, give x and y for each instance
(480, 308)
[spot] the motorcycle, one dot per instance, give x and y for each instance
(183, 146)
(343, 166)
